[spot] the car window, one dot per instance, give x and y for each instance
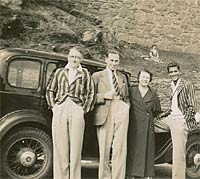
(24, 73)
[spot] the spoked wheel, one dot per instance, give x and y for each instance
(27, 154)
(193, 156)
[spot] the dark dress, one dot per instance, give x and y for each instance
(141, 137)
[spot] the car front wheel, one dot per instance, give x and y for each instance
(193, 156)
(27, 154)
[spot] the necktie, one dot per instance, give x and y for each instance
(115, 84)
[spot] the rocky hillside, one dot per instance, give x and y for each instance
(57, 25)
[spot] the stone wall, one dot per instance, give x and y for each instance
(173, 25)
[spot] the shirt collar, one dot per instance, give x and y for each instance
(175, 86)
(80, 69)
(110, 71)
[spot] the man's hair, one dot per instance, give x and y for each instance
(154, 45)
(75, 47)
(147, 71)
(173, 64)
(113, 51)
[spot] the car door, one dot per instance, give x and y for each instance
(50, 66)
(23, 84)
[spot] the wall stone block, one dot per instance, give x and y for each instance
(172, 24)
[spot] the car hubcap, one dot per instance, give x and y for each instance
(193, 160)
(27, 157)
(197, 159)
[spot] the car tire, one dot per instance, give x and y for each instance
(193, 148)
(27, 154)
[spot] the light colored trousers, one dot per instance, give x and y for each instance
(112, 136)
(179, 131)
(67, 129)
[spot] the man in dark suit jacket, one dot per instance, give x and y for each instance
(111, 115)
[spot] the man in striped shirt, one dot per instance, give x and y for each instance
(70, 94)
(181, 118)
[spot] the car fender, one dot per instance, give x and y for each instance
(194, 131)
(12, 119)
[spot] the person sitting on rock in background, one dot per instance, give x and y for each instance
(153, 54)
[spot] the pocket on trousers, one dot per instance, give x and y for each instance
(123, 112)
(128, 106)
(80, 108)
(54, 108)
(125, 106)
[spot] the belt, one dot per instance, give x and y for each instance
(75, 100)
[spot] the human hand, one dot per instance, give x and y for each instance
(164, 114)
(109, 95)
(197, 117)
(53, 107)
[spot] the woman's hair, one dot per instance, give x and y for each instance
(147, 71)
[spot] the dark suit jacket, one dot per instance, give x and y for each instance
(102, 86)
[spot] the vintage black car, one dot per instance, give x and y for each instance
(25, 120)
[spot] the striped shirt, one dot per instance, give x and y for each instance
(81, 89)
(187, 102)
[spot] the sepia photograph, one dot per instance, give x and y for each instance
(99, 89)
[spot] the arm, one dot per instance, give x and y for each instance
(150, 54)
(51, 91)
(191, 108)
(99, 97)
(89, 103)
(126, 95)
(153, 53)
(157, 54)
(156, 105)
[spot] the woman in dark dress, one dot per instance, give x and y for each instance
(145, 105)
